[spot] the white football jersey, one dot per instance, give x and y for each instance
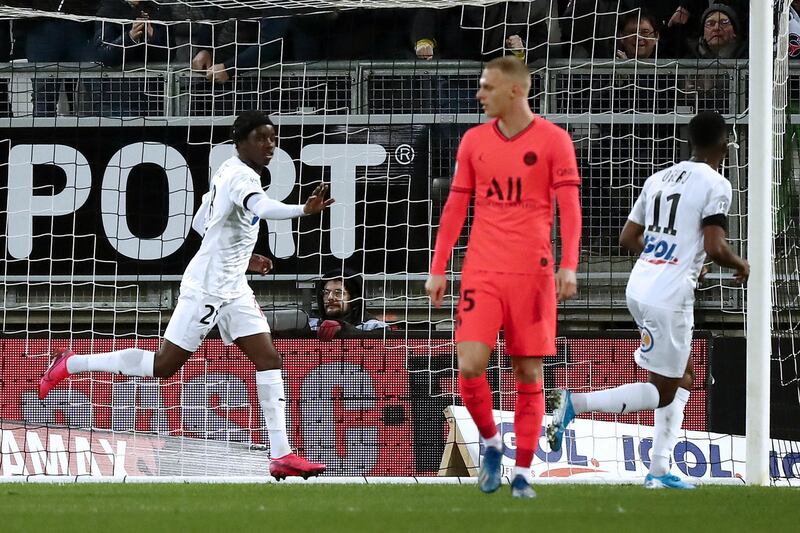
(231, 231)
(671, 207)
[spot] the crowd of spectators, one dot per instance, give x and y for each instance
(219, 41)
(221, 44)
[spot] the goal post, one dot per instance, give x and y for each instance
(759, 237)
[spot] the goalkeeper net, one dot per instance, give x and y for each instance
(784, 369)
(108, 147)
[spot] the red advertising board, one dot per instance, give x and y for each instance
(362, 406)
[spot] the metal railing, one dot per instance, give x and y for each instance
(627, 119)
(661, 92)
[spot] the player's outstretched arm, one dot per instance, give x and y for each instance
(717, 248)
(267, 208)
(317, 203)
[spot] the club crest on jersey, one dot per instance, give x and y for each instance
(658, 251)
(647, 341)
(794, 45)
(530, 158)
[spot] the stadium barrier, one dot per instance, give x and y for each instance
(611, 451)
(366, 407)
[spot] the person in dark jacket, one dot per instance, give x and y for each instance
(251, 40)
(118, 43)
(722, 35)
(340, 304)
(52, 40)
(638, 36)
(137, 37)
(479, 33)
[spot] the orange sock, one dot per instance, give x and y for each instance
(477, 398)
(528, 420)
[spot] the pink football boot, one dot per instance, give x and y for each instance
(294, 465)
(55, 373)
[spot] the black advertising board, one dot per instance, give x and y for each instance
(119, 200)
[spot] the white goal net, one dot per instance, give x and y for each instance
(113, 121)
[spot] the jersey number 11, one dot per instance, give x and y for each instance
(673, 200)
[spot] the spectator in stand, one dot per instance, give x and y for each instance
(589, 28)
(543, 32)
(638, 36)
(683, 13)
(721, 37)
(142, 41)
(147, 39)
(251, 40)
(340, 304)
(679, 21)
(185, 30)
(641, 88)
(738, 16)
(477, 33)
(51, 41)
(464, 33)
(117, 43)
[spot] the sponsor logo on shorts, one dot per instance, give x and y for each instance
(647, 340)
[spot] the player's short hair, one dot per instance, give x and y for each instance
(707, 130)
(512, 67)
(247, 122)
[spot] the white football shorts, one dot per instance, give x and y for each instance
(666, 338)
(197, 312)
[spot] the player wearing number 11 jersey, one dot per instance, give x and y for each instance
(513, 167)
(214, 290)
(678, 219)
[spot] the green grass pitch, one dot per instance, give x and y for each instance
(420, 508)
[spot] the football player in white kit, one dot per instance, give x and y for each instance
(214, 290)
(678, 219)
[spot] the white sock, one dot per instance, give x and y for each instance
(668, 421)
(495, 442)
(269, 386)
(130, 362)
(524, 472)
(623, 399)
